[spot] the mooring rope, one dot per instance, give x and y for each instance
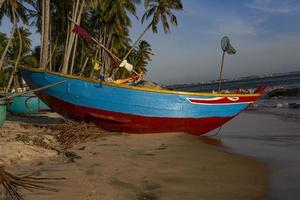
(217, 133)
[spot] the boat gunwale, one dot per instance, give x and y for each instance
(164, 91)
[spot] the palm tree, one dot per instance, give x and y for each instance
(15, 11)
(19, 48)
(31, 58)
(1, 2)
(59, 11)
(139, 58)
(142, 57)
(3, 41)
(159, 10)
(45, 33)
(112, 21)
(78, 8)
(22, 36)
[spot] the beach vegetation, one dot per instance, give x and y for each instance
(62, 50)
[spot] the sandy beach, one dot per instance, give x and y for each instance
(123, 166)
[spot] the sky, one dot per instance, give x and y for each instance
(265, 33)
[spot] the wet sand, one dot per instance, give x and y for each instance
(146, 167)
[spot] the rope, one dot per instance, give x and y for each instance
(216, 133)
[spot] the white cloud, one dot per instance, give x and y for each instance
(274, 6)
(235, 26)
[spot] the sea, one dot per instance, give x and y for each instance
(273, 140)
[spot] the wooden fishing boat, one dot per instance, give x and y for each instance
(27, 104)
(131, 109)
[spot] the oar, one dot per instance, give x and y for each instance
(34, 90)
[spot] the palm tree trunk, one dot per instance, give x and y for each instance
(69, 44)
(74, 54)
(42, 31)
(66, 44)
(50, 46)
(10, 39)
(1, 2)
(77, 16)
(45, 45)
(12, 77)
(135, 43)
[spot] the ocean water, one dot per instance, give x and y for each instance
(273, 140)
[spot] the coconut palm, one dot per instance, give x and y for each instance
(1, 2)
(59, 11)
(32, 58)
(160, 11)
(15, 11)
(45, 33)
(20, 47)
(112, 22)
(139, 58)
(15, 46)
(142, 57)
(3, 41)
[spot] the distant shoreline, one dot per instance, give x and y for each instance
(291, 79)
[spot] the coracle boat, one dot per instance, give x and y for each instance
(124, 108)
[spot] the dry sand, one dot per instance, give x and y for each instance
(143, 167)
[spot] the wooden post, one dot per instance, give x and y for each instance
(221, 72)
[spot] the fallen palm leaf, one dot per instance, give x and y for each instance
(72, 133)
(12, 183)
(36, 140)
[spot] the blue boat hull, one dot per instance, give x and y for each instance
(27, 104)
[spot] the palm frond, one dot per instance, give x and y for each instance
(12, 183)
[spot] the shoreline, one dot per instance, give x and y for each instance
(148, 166)
(271, 139)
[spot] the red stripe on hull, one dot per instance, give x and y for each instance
(121, 122)
(222, 100)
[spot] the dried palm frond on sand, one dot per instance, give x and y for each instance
(72, 133)
(12, 183)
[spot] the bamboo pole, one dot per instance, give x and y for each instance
(84, 66)
(221, 72)
(34, 90)
(99, 44)
(74, 54)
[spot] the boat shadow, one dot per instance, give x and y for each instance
(212, 141)
(37, 119)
